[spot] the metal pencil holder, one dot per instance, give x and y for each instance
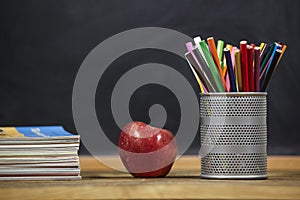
(233, 135)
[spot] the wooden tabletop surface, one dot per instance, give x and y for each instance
(183, 182)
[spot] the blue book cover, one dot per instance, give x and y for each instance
(35, 132)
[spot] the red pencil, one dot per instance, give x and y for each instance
(244, 65)
(250, 68)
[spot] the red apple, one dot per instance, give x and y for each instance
(147, 151)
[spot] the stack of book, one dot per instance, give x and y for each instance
(38, 153)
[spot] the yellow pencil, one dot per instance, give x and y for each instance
(262, 45)
(238, 70)
(229, 46)
(201, 86)
(198, 80)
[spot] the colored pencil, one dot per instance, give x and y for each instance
(232, 56)
(244, 65)
(224, 66)
(212, 66)
(267, 64)
(262, 46)
(220, 47)
(201, 86)
(205, 68)
(238, 69)
(256, 68)
(267, 56)
(282, 52)
(267, 67)
(212, 48)
(233, 64)
(230, 70)
(197, 41)
(200, 73)
(265, 82)
(263, 52)
(226, 70)
(189, 47)
(250, 67)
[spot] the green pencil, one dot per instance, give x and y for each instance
(212, 66)
(220, 47)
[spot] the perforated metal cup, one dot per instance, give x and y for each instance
(233, 135)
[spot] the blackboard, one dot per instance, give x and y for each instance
(43, 44)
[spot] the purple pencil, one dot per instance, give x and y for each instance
(256, 68)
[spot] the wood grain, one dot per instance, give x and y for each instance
(183, 182)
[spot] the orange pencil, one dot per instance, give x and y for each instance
(282, 52)
(213, 50)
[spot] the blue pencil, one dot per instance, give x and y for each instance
(265, 71)
(230, 70)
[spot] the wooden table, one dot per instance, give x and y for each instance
(183, 182)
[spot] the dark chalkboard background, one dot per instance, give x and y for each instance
(43, 43)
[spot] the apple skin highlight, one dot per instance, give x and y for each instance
(147, 151)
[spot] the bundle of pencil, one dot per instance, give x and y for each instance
(248, 68)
